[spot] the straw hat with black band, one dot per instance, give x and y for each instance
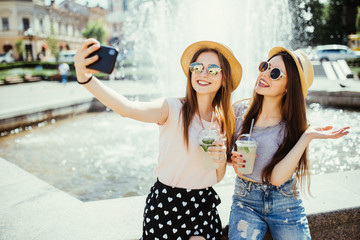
(236, 69)
(303, 65)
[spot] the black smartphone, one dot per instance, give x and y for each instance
(107, 59)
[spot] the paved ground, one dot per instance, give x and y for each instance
(321, 84)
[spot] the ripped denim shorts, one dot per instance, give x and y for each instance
(258, 207)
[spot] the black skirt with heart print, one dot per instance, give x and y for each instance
(178, 213)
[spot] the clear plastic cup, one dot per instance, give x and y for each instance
(207, 138)
(246, 146)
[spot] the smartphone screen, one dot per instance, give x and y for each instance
(107, 59)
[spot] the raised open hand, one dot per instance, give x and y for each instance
(326, 132)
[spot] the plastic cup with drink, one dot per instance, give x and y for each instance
(246, 146)
(208, 137)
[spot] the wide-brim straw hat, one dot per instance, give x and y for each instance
(236, 69)
(303, 65)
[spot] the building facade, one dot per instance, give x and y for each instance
(27, 26)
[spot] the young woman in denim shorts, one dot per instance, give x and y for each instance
(268, 198)
(182, 203)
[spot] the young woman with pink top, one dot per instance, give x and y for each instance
(182, 203)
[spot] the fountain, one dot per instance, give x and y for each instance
(161, 30)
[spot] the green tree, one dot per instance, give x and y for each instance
(334, 21)
(53, 46)
(340, 18)
(20, 48)
(53, 43)
(357, 23)
(315, 24)
(329, 23)
(95, 30)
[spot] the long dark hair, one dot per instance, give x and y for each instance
(221, 103)
(294, 116)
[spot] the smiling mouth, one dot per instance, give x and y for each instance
(263, 83)
(203, 83)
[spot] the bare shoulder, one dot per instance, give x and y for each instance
(161, 103)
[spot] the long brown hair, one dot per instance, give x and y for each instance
(294, 116)
(221, 103)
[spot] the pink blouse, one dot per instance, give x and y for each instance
(178, 166)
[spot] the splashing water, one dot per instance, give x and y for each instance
(117, 157)
(161, 30)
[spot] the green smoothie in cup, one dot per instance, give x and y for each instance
(207, 138)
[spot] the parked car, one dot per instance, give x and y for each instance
(6, 57)
(67, 56)
(334, 52)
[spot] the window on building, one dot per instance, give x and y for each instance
(125, 5)
(5, 24)
(26, 23)
(114, 28)
(41, 23)
(110, 6)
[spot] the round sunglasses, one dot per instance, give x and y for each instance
(275, 73)
(212, 69)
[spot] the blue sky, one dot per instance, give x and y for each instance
(102, 3)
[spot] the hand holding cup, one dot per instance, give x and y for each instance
(212, 148)
(238, 162)
(218, 150)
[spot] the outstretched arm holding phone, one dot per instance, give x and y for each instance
(155, 111)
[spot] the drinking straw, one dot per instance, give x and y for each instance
(211, 122)
(251, 127)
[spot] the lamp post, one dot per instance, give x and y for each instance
(30, 34)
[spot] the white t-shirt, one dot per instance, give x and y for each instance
(64, 68)
(179, 166)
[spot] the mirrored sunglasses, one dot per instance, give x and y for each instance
(212, 69)
(275, 73)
